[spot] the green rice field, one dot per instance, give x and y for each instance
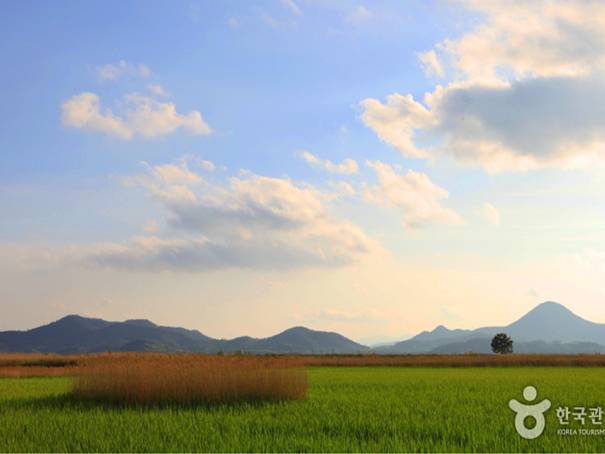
(374, 409)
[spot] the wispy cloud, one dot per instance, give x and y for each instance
(419, 199)
(157, 90)
(114, 71)
(292, 6)
(431, 64)
(346, 167)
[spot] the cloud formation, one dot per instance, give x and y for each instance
(157, 90)
(169, 182)
(114, 71)
(396, 121)
(346, 167)
(139, 116)
(419, 199)
(432, 65)
(520, 125)
(525, 91)
(536, 38)
(251, 221)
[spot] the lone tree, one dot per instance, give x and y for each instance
(502, 343)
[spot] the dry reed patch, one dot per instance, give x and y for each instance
(37, 360)
(190, 379)
(36, 365)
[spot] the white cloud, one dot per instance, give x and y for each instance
(292, 6)
(529, 38)
(431, 64)
(168, 182)
(114, 71)
(151, 118)
(396, 121)
(520, 125)
(343, 189)
(84, 112)
(207, 165)
(175, 174)
(140, 116)
(346, 167)
(491, 214)
(251, 221)
(157, 90)
(413, 193)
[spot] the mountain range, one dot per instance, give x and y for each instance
(76, 334)
(548, 328)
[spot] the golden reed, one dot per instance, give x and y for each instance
(190, 379)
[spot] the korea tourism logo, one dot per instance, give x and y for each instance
(526, 411)
(584, 420)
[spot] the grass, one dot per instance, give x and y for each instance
(347, 409)
(189, 379)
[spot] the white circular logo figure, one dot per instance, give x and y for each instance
(524, 411)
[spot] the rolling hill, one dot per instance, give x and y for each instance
(76, 334)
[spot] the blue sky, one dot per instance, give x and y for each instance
(269, 91)
(153, 155)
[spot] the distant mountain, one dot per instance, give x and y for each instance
(75, 334)
(380, 341)
(299, 340)
(548, 328)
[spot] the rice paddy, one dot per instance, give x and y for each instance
(376, 409)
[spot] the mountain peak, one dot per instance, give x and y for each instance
(440, 329)
(552, 321)
(75, 319)
(551, 306)
(70, 317)
(297, 329)
(140, 322)
(548, 311)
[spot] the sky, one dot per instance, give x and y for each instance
(240, 167)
